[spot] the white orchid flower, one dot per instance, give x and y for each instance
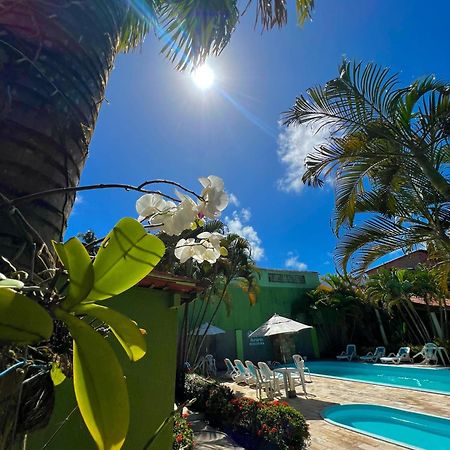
(198, 251)
(215, 198)
(151, 204)
(213, 238)
(180, 218)
(185, 249)
(206, 252)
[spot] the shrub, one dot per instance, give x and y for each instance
(243, 415)
(197, 387)
(183, 436)
(212, 398)
(282, 426)
(217, 406)
(255, 425)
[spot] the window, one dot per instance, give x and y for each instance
(286, 278)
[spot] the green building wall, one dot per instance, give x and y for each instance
(279, 291)
(151, 381)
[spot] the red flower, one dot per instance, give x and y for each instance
(273, 430)
(179, 438)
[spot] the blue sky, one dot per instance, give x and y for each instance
(157, 124)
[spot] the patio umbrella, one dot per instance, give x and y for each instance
(279, 325)
(212, 330)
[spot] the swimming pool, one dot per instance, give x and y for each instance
(411, 429)
(424, 379)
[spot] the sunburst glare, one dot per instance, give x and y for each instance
(203, 77)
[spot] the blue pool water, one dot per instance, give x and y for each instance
(411, 429)
(425, 379)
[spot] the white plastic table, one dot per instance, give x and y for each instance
(289, 386)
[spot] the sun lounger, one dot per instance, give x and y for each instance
(233, 373)
(375, 356)
(248, 377)
(349, 353)
(403, 355)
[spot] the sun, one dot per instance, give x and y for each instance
(203, 77)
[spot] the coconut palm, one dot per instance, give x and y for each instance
(55, 59)
(391, 289)
(389, 153)
(340, 300)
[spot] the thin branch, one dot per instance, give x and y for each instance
(172, 183)
(90, 187)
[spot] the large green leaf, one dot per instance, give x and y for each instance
(100, 387)
(127, 254)
(126, 331)
(22, 320)
(57, 374)
(78, 263)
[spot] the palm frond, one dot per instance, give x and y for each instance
(360, 95)
(195, 29)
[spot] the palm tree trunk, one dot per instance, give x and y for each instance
(55, 58)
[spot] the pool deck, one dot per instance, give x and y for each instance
(328, 391)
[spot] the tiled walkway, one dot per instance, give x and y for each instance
(327, 391)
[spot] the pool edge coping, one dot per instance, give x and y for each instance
(372, 435)
(382, 384)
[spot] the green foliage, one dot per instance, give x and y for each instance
(202, 390)
(22, 320)
(57, 374)
(99, 384)
(392, 290)
(191, 31)
(389, 155)
(282, 426)
(127, 254)
(339, 309)
(273, 425)
(78, 264)
(124, 329)
(183, 436)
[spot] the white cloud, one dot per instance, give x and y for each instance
(238, 224)
(79, 200)
(293, 263)
(233, 200)
(246, 214)
(294, 144)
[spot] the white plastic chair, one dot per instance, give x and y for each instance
(268, 375)
(429, 353)
(300, 364)
(210, 366)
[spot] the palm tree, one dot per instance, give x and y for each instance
(340, 305)
(391, 289)
(389, 153)
(55, 59)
